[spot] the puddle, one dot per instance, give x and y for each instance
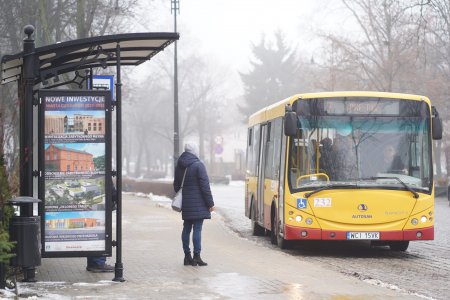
(237, 286)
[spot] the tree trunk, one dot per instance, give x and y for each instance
(447, 159)
(81, 19)
(137, 166)
(58, 22)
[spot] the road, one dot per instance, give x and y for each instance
(238, 268)
(242, 266)
(424, 269)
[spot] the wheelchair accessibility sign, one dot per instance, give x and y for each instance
(301, 203)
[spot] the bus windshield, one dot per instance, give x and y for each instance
(361, 143)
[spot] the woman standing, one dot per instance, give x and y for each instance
(197, 202)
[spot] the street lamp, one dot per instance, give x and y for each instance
(175, 8)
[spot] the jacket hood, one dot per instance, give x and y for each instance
(186, 159)
(192, 148)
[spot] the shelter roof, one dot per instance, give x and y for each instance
(100, 51)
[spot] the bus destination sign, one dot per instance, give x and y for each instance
(361, 107)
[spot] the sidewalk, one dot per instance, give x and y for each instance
(153, 267)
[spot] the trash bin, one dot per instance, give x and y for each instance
(25, 229)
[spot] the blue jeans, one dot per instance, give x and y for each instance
(96, 260)
(196, 236)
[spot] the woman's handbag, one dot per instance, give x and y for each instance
(178, 199)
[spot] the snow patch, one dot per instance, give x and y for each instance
(157, 198)
(390, 286)
(90, 284)
(395, 288)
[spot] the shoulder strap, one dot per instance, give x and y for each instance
(182, 182)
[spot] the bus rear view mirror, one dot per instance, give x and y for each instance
(436, 125)
(437, 128)
(290, 123)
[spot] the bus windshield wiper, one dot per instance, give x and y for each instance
(329, 187)
(416, 195)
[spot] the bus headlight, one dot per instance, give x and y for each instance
(298, 218)
(423, 219)
(309, 221)
(414, 221)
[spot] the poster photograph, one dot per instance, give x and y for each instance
(75, 194)
(75, 231)
(67, 160)
(75, 168)
(74, 126)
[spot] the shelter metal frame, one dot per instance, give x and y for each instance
(35, 66)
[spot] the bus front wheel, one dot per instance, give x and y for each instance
(282, 243)
(273, 227)
(399, 245)
(257, 229)
(275, 235)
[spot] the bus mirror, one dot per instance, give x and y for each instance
(437, 128)
(290, 123)
(436, 125)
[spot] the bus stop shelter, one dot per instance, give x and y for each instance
(45, 67)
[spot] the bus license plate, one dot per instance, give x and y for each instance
(363, 235)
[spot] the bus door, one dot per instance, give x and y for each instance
(261, 164)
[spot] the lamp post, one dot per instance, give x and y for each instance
(175, 8)
(26, 131)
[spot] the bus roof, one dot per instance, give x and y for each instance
(277, 109)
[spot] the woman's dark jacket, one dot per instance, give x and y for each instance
(197, 197)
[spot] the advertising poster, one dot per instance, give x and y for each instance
(75, 164)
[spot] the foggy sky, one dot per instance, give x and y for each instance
(225, 30)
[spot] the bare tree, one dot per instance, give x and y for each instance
(203, 98)
(336, 71)
(150, 116)
(387, 49)
(403, 47)
(436, 16)
(55, 20)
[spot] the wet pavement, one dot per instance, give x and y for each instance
(424, 269)
(239, 268)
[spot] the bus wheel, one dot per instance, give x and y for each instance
(399, 245)
(257, 229)
(279, 240)
(273, 230)
(282, 243)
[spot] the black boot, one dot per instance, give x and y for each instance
(187, 259)
(197, 261)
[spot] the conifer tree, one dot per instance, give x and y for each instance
(6, 212)
(274, 74)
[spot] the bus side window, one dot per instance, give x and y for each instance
(255, 149)
(415, 160)
(273, 149)
(296, 163)
(269, 151)
(249, 151)
(252, 150)
(293, 162)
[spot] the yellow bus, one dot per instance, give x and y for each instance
(343, 166)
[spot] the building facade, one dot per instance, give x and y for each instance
(64, 159)
(79, 123)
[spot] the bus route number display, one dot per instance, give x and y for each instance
(362, 107)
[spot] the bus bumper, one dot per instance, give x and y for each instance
(303, 233)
